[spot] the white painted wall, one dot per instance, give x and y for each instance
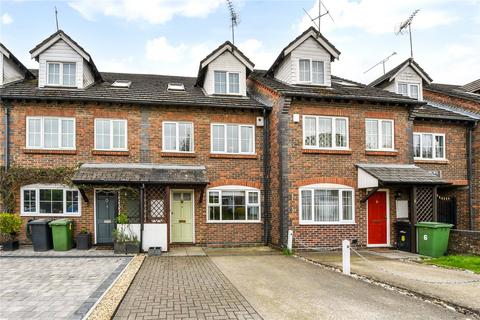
(365, 180)
(154, 235)
(10, 72)
(406, 75)
(1, 69)
(225, 62)
(88, 77)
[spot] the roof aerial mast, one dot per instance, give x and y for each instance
(320, 15)
(382, 62)
(234, 18)
(406, 26)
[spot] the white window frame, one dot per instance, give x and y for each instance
(42, 133)
(111, 134)
(409, 89)
(234, 188)
(311, 72)
(326, 186)
(333, 119)
(239, 138)
(434, 151)
(60, 76)
(227, 81)
(177, 138)
(36, 188)
(380, 134)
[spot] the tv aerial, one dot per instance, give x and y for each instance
(320, 15)
(234, 18)
(406, 26)
(382, 62)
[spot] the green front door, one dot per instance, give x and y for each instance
(182, 216)
(106, 203)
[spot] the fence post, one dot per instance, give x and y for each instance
(290, 240)
(346, 257)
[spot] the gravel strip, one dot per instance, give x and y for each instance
(107, 305)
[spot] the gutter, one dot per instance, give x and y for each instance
(266, 178)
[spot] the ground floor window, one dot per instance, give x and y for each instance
(233, 204)
(326, 204)
(49, 200)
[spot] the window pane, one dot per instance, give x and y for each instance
(341, 133)
(68, 134)
(414, 91)
(213, 197)
(50, 135)
(371, 128)
(387, 135)
(72, 201)
(239, 200)
(185, 131)
(403, 89)
(69, 74)
(51, 201)
(325, 133)
(29, 201)
(317, 72)
(253, 213)
(253, 197)
(214, 213)
(34, 132)
(220, 81)
(53, 73)
(439, 147)
(233, 83)
(427, 146)
(169, 136)
(246, 139)
(102, 134)
(416, 146)
(227, 205)
(119, 134)
(326, 205)
(306, 204)
(218, 139)
(310, 127)
(347, 212)
(304, 70)
(232, 139)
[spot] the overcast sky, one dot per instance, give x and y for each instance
(172, 36)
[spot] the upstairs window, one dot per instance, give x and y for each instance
(177, 137)
(409, 89)
(50, 133)
(233, 204)
(111, 134)
(62, 74)
(429, 146)
(51, 200)
(227, 82)
(321, 132)
(379, 134)
(311, 71)
(232, 138)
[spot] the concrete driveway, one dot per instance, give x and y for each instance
(280, 287)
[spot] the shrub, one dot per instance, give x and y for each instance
(10, 225)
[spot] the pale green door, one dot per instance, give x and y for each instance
(182, 217)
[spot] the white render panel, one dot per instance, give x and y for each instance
(284, 71)
(406, 75)
(1, 68)
(366, 180)
(88, 77)
(154, 234)
(225, 62)
(10, 71)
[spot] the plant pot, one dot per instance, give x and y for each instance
(83, 241)
(126, 247)
(10, 245)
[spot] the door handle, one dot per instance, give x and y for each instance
(182, 221)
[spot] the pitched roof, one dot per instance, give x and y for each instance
(473, 86)
(438, 111)
(454, 91)
(136, 173)
(401, 174)
(340, 89)
(310, 32)
(146, 89)
(60, 34)
(26, 73)
(390, 75)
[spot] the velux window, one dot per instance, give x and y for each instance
(409, 89)
(311, 71)
(49, 200)
(226, 82)
(110, 134)
(379, 134)
(62, 74)
(233, 204)
(321, 132)
(326, 204)
(429, 146)
(177, 136)
(50, 133)
(232, 138)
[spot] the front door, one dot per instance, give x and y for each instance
(377, 219)
(182, 217)
(106, 211)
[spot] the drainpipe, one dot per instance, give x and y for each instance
(6, 105)
(470, 177)
(142, 213)
(266, 178)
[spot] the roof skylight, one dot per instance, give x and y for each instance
(176, 86)
(122, 84)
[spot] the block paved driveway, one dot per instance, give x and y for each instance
(54, 287)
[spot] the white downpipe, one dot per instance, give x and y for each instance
(290, 240)
(346, 257)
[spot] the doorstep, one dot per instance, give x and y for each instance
(184, 251)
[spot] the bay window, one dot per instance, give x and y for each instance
(50, 133)
(232, 138)
(321, 132)
(429, 146)
(177, 137)
(51, 200)
(233, 204)
(110, 134)
(379, 134)
(62, 74)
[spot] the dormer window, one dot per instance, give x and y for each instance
(409, 89)
(227, 82)
(61, 74)
(311, 71)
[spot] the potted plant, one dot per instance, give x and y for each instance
(10, 225)
(124, 239)
(83, 239)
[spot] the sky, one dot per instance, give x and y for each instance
(172, 36)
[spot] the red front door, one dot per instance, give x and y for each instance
(377, 218)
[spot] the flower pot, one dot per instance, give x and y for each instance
(10, 245)
(83, 241)
(126, 247)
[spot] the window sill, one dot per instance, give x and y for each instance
(234, 222)
(178, 154)
(233, 156)
(49, 151)
(327, 151)
(433, 161)
(388, 153)
(327, 223)
(110, 153)
(46, 215)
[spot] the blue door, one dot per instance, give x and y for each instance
(106, 207)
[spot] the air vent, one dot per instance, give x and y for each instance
(122, 84)
(176, 86)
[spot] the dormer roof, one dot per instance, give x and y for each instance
(61, 35)
(26, 73)
(226, 46)
(472, 87)
(392, 74)
(310, 32)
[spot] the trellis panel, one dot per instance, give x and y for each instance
(424, 203)
(156, 204)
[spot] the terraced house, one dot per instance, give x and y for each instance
(233, 156)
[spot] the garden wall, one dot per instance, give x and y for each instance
(464, 241)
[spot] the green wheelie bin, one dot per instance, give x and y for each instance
(62, 234)
(432, 238)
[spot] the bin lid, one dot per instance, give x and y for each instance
(40, 221)
(433, 225)
(61, 222)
